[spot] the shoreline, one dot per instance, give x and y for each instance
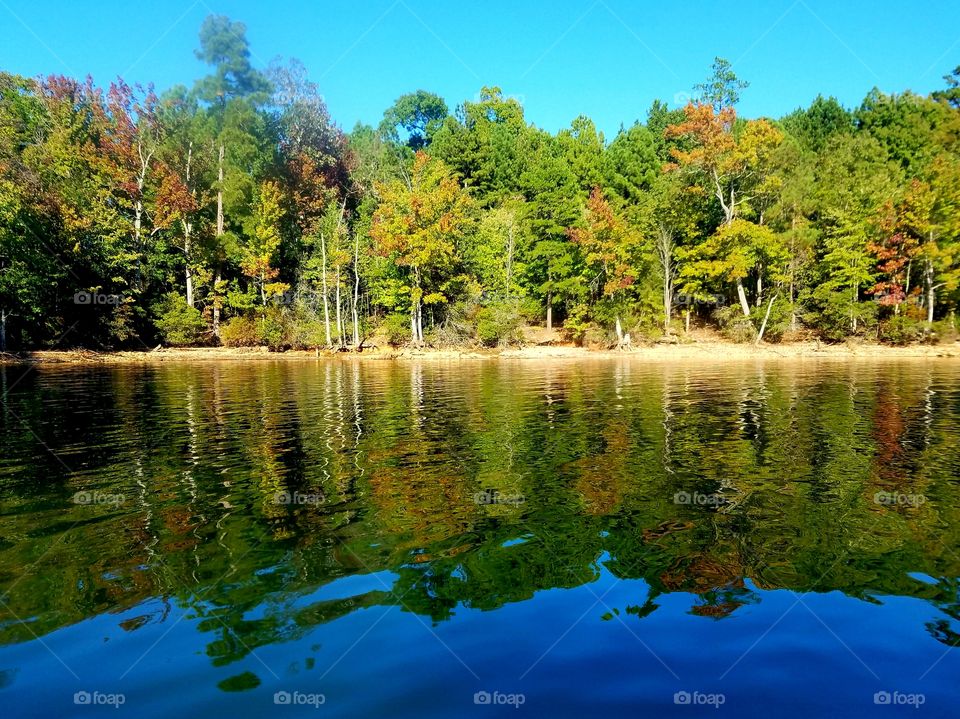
(712, 351)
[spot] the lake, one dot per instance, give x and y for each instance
(602, 538)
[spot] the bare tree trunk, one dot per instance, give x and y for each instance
(853, 311)
(420, 321)
(340, 332)
(687, 323)
(216, 303)
(744, 305)
(356, 290)
(763, 325)
(793, 272)
(931, 289)
(3, 330)
(187, 228)
(664, 248)
(323, 276)
(188, 272)
(549, 311)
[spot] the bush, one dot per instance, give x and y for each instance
(179, 323)
(830, 311)
(241, 331)
(272, 328)
(902, 330)
(395, 328)
(305, 332)
(499, 323)
(733, 325)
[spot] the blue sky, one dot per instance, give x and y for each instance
(604, 58)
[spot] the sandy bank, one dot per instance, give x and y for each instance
(709, 351)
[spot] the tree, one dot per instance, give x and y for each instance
(722, 89)
(952, 94)
(418, 227)
(735, 166)
(418, 115)
(610, 247)
(232, 92)
(260, 251)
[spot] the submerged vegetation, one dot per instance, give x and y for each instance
(236, 212)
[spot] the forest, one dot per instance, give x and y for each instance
(235, 212)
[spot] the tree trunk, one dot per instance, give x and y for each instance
(549, 311)
(420, 321)
(187, 228)
(323, 276)
(220, 192)
(665, 258)
(687, 322)
(853, 310)
(744, 305)
(340, 332)
(189, 279)
(216, 303)
(763, 325)
(793, 271)
(3, 330)
(356, 291)
(931, 290)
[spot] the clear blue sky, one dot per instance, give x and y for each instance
(607, 59)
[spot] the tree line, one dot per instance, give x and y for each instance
(236, 212)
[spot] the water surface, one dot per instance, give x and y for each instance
(594, 538)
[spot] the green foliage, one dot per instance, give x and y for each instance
(238, 207)
(901, 330)
(179, 324)
(395, 327)
(500, 322)
(240, 331)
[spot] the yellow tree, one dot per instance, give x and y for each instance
(259, 253)
(418, 226)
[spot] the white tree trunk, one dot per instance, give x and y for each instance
(742, 295)
(356, 291)
(323, 276)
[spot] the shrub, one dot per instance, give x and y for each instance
(901, 330)
(733, 325)
(240, 331)
(272, 329)
(498, 323)
(395, 328)
(179, 323)
(830, 312)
